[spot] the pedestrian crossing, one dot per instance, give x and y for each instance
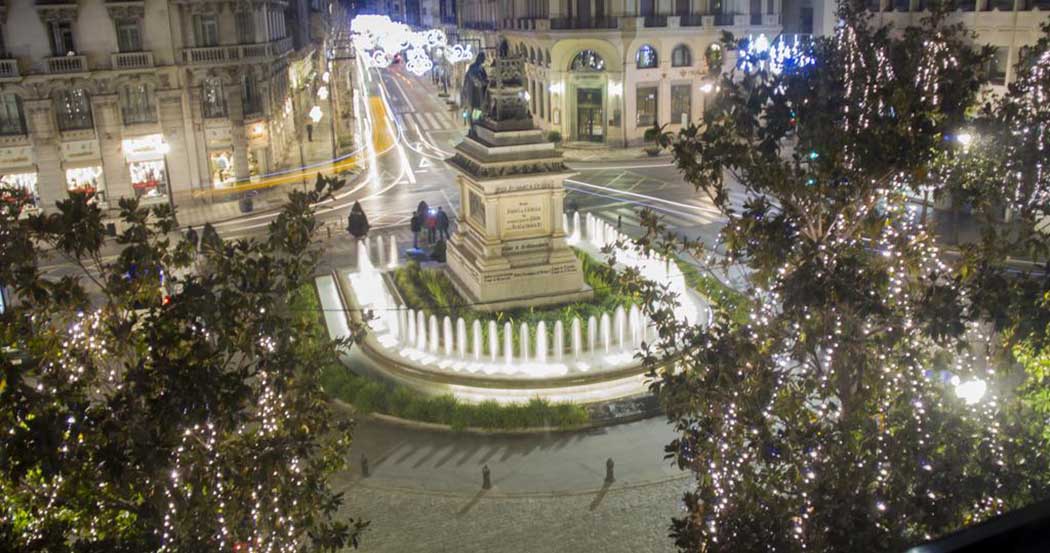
(429, 120)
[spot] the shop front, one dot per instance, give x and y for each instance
(148, 167)
(18, 178)
(219, 142)
(83, 169)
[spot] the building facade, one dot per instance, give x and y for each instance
(604, 72)
(1007, 25)
(156, 99)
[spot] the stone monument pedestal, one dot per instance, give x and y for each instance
(510, 249)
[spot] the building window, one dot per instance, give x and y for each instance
(646, 109)
(681, 103)
(646, 57)
(245, 28)
(213, 103)
(549, 105)
(250, 95)
(587, 60)
(540, 95)
(681, 56)
(206, 30)
(136, 104)
(129, 39)
(60, 34)
(997, 65)
(12, 121)
(73, 110)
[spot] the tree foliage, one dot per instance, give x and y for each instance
(830, 420)
(165, 398)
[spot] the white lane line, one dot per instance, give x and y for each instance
(635, 195)
(433, 121)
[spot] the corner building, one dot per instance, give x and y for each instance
(605, 71)
(156, 99)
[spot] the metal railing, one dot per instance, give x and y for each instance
(691, 20)
(9, 69)
(723, 19)
(66, 64)
(568, 23)
(132, 60)
(655, 20)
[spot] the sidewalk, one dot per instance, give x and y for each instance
(585, 152)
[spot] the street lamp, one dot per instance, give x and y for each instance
(970, 391)
(316, 114)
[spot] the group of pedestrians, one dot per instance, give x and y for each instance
(434, 221)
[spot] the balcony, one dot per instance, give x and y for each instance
(480, 25)
(691, 20)
(9, 69)
(132, 60)
(217, 55)
(570, 23)
(66, 64)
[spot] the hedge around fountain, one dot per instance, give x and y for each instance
(367, 395)
(430, 290)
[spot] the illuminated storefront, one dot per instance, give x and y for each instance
(87, 179)
(147, 166)
(23, 183)
(221, 164)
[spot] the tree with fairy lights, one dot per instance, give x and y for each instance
(858, 405)
(166, 399)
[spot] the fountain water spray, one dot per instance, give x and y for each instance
(559, 341)
(475, 331)
(541, 342)
(461, 337)
(446, 331)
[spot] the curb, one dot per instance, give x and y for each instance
(438, 427)
(495, 494)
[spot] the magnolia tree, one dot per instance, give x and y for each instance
(166, 398)
(860, 404)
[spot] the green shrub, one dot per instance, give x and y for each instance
(554, 136)
(370, 396)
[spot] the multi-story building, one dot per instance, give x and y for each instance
(604, 72)
(1007, 25)
(156, 99)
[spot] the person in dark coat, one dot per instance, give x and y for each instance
(422, 210)
(417, 225)
(357, 224)
(442, 223)
(431, 224)
(192, 238)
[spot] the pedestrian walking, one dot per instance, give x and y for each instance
(192, 238)
(431, 224)
(417, 225)
(442, 223)
(309, 132)
(619, 222)
(357, 222)
(486, 478)
(421, 210)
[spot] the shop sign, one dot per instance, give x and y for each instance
(79, 150)
(17, 156)
(150, 146)
(218, 137)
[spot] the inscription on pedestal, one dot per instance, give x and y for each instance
(477, 208)
(523, 217)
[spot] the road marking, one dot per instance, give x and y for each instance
(433, 121)
(424, 163)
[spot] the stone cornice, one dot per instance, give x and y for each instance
(126, 10)
(57, 12)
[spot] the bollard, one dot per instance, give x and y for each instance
(486, 478)
(609, 478)
(364, 466)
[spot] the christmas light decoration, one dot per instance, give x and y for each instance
(378, 39)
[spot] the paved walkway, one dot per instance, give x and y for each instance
(581, 152)
(424, 489)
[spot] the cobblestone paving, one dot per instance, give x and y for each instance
(614, 520)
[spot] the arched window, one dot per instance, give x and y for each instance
(587, 60)
(646, 58)
(532, 56)
(548, 59)
(73, 110)
(681, 56)
(713, 57)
